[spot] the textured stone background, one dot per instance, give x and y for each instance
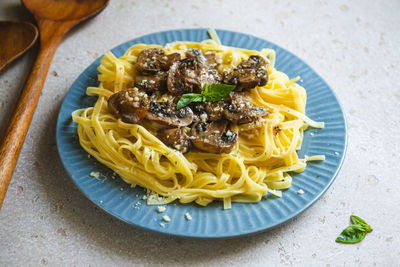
(354, 45)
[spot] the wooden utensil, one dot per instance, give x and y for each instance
(55, 18)
(17, 37)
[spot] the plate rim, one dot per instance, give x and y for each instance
(286, 219)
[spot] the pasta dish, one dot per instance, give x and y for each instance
(197, 122)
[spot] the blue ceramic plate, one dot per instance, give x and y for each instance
(125, 203)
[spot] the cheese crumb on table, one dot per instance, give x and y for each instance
(166, 218)
(161, 209)
(300, 192)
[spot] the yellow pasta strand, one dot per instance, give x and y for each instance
(259, 163)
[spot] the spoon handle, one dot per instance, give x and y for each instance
(51, 35)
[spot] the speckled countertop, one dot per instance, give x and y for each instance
(353, 45)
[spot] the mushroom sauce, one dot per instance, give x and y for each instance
(161, 81)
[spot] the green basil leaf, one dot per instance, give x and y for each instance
(367, 227)
(357, 220)
(352, 234)
(186, 99)
(204, 91)
(216, 92)
(213, 92)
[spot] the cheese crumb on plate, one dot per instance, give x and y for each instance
(188, 216)
(161, 209)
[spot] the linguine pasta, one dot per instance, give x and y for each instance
(260, 162)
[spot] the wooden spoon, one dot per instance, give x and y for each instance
(55, 18)
(17, 38)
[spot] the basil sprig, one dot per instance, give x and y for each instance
(211, 93)
(354, 233)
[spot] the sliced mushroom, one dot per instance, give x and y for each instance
(209, 75)
(167, 114)
(129, 105)
(253, 62)
(199, 111)
(208, 111)
(154, 59)
(212, 60)
(208, 59)
(213, 137)
(248, 74)
(152, 83)
(215, 110)
(190, 74)
(197, 55)
(166, 97)
(240, 110)
(175, 138)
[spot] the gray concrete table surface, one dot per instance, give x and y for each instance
(353, 45)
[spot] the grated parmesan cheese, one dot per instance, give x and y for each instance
(161, 209)
(188, 216)
(95, 174)
(203, 117)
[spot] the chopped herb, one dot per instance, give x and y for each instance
(211, 93)
(277, 130)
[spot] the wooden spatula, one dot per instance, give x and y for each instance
(55, 18)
